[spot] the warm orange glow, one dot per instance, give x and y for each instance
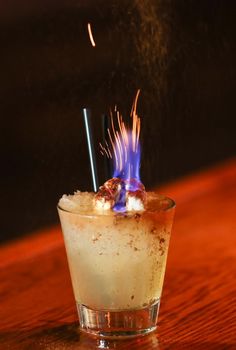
(91, 35)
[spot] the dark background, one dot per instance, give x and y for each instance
(180, 53)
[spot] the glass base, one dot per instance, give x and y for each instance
(118, 324)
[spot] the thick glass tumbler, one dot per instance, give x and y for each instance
(117, 265)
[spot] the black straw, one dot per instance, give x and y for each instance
(89, 135)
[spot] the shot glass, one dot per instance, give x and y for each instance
(117, 264)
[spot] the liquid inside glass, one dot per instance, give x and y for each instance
(117, 265)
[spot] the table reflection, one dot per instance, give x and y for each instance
(69, 337)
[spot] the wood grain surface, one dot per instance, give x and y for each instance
(198, 309)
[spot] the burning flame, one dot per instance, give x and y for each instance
(124, 147)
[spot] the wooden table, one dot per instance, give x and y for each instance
(198, 309)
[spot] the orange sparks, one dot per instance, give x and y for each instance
(136, 122)
(123, 140)
(91, 35)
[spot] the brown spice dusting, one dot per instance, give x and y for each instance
(137, 217)
(94, 239)
(105, 195)
(130, 243)
(161, 245)
(113, 185)
(139, 193)
(119, 217)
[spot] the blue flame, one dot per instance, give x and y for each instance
(126, 167)
(120, 205)
(125, 153)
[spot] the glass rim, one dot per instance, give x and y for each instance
(107, 212)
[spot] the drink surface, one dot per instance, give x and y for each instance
(117, 261)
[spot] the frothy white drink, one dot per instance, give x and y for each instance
(117, 260)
